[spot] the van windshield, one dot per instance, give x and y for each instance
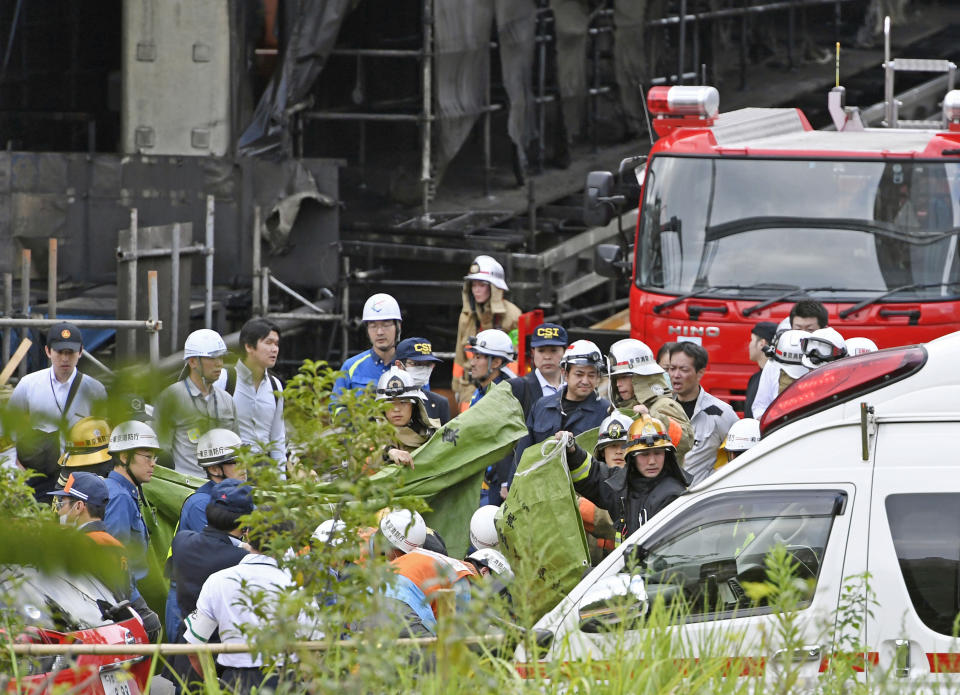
(840, 229)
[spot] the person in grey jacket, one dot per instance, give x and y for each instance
(634, 493)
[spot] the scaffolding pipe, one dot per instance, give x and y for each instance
(24, 297)
(257, 307)
(208, 293)
(174, 287)
(116, 324)
(426, 152)
(96, 362)
(127, 256)
(131, 336)
(52, 279)
(7, 312)
(153, 316)
(265, 289)
(345, 306)
(296, 295)
(293, 316)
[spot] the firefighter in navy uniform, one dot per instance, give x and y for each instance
(575, 408)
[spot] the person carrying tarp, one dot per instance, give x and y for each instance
(407, 412)
(633, 494)
(610, 449)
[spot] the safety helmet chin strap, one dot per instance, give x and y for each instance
(490, 358)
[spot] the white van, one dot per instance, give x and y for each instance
(858, 472)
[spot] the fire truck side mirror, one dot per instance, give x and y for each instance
(608, 260)
(598, 209)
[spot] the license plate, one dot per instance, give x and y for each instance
(118, 684)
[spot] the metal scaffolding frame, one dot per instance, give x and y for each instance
(684, 17)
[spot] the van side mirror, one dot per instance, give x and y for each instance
(608, 260)
(597, 208)
(614, 603)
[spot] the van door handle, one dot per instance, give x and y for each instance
(808, 652)
(901, 658)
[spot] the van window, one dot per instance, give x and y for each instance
(706, 557)
(926, 536)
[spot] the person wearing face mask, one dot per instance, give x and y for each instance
(134, 447)
(82, 502)
(415, 356)
(484, 307)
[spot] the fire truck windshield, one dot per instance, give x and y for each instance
(754, 227)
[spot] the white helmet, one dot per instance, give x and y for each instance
(492, 342)
(631, 356)
(494, 561)
(204, 343)
(483, 530)
(331, 531)
(217, 446)
(789, 354)
(860, 346)
(822, 346)
(405, 530)
(487, 269)
(396, 384)
(132, 434)
(381, 307)
(613, 429)
(742, 435)
(582, 352)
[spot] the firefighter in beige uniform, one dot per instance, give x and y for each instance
(637, 381)
(484, 307)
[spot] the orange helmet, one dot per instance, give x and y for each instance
(648, 433)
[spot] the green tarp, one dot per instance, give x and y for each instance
(542, 534)
(449, 467)
(447, 473)
(164, 495)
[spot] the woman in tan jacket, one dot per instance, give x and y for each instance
(484, 306)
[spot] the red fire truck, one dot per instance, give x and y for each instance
(744, 213)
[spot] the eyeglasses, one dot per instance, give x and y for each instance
(63, 501)
(153, 458)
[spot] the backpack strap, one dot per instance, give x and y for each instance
(231, 386)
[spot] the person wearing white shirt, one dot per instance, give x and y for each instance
(55, 398)
(254, 389)
(224, 605)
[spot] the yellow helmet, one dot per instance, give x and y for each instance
(87, 443)
(648, 433)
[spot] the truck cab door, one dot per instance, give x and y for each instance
(914, 556)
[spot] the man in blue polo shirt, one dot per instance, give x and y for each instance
(381, 317)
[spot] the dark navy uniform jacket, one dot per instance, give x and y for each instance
(197, 555)
(547, 418)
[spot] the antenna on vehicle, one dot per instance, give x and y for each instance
(646, 112)
(838, 65)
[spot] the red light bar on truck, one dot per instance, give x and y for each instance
(679, 106)
(841, 381)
